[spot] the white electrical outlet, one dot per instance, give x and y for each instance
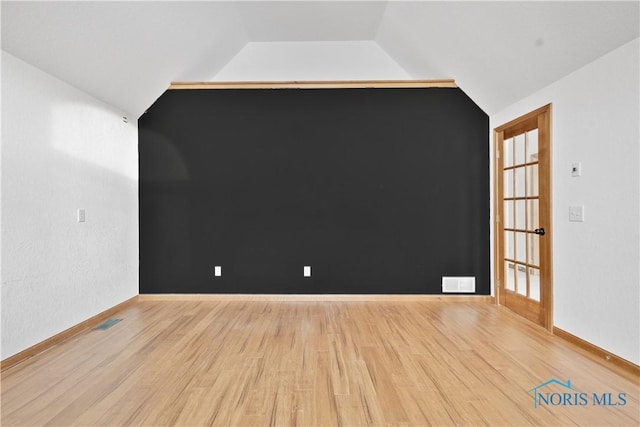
(81, 215)
(217, 270)
(576, 213)
(307, 271)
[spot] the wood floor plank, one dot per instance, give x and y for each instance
(311, 363)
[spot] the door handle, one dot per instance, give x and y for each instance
(539, 231)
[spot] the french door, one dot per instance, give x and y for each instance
(523, 216)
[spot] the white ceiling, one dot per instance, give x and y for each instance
(270, 21)
(500, 52)
(127, 53)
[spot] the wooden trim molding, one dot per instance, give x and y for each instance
(11, 361)
(545, 132)
(353, 84)
(528, 119)
(618, 364)
(314, 297)
(498, 207)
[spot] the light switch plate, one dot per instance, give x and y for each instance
(81, 215)
(576, 169)
(217, 270)
(307, 271)
(576, 213)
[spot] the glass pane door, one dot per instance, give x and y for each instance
(521, 217)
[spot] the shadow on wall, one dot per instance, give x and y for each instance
(169, 162)
(168, 211)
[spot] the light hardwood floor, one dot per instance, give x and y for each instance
(310, 363)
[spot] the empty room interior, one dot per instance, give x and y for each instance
(320, 213)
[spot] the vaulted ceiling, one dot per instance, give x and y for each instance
(127, 53)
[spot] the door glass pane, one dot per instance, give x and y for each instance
(519, 149)
(521, 247)
(520, 214)
(509, 245)
(533, 216)
(508, 183)
(519, 182)
(521, 279)
(508, 152)
(509, 278)
(532, 146)
(508, 213)
(532, 180)
(534, 284)
(534, 249)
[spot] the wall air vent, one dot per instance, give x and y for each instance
(458, 284)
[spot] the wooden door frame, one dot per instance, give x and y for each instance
(542, 117)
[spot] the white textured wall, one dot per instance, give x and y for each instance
(63, 150)
(295, 61)
(596, 263)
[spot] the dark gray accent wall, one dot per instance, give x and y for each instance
(381, 191)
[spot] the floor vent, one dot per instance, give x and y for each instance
(458, 284)
(106, 324)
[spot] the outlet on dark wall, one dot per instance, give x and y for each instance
(380, 191)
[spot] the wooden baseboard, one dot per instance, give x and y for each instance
(11, 361)
(314, 297)
(617, 363)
